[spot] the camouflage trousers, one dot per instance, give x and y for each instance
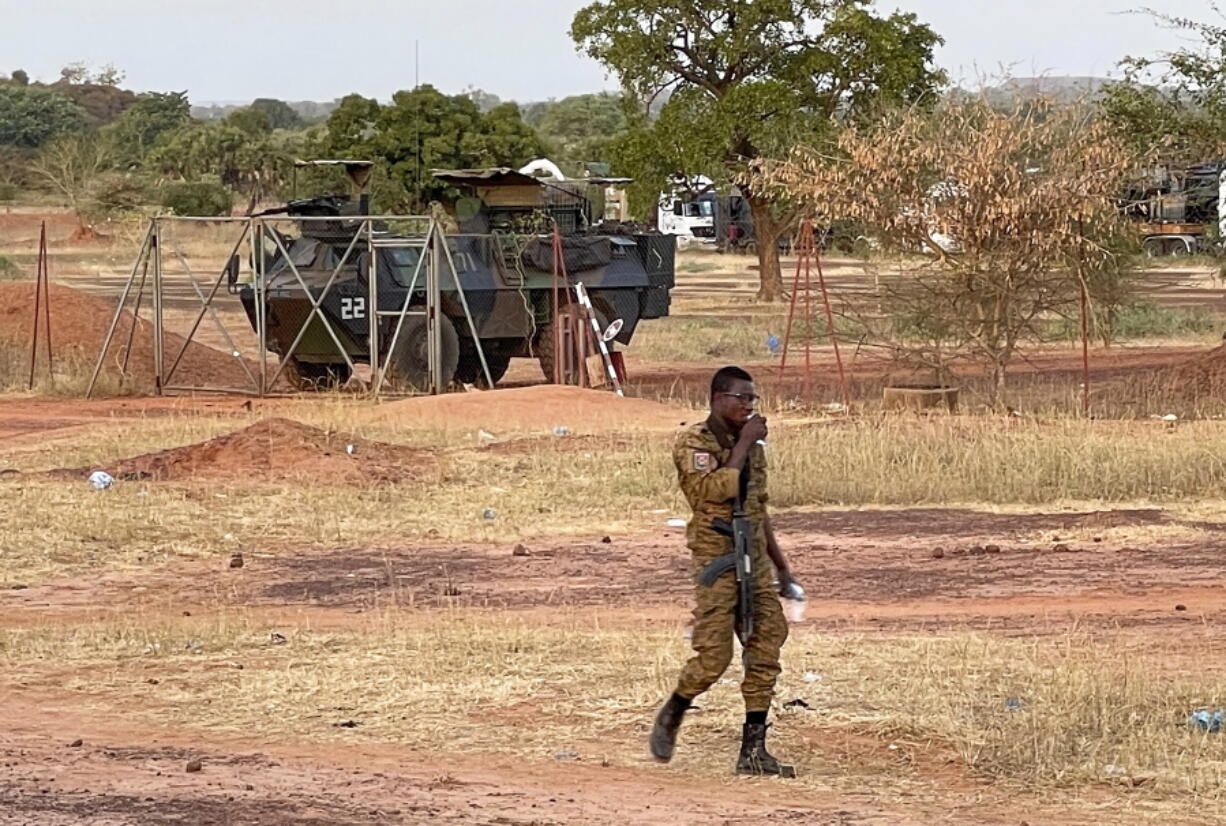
(714, 629)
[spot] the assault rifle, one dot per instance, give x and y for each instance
(739, 559)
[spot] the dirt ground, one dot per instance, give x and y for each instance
(1148, 572)
(909, 571)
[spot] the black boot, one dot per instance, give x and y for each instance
(755, 759)
(664, 732)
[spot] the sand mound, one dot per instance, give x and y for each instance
(79, 322)
(532, 409)
(273, 449)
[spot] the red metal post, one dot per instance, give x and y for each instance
(787, 331)
(557, 315)
(46, 259)
(834, 338)
(42, 308)
(806, 235)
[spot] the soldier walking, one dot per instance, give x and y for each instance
(719, 461)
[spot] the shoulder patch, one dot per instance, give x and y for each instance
(702, 460)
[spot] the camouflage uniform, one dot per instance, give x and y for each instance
(701, 454)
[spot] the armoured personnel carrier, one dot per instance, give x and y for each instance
(503, 260)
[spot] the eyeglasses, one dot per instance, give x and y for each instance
(744, 398)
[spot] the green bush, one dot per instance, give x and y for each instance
(114, 195)
(1145, 319)
(197, 198)
(8, 192)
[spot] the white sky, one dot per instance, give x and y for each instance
(236, 50)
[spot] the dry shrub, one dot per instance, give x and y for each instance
(1017, 210)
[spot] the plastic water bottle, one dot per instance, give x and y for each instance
(795, 601)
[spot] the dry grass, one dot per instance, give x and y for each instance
(681, 339)
(567, 487)
(944, 460)
(1096, 712)
(72, 370)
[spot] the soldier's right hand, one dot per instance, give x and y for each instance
(754, 430)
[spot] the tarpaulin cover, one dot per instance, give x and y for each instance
(579, 253)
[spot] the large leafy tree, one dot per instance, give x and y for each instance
(30, 116)
(421, 130)
(153, 114)
(750, 78)
(1175, 101)
(254, 163)
(102, 103)
(582, 127)
(280, 114)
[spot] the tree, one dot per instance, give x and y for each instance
(422, 130)
(749, 78)
(253, 163)
(582, 127)
(71, 164)
(485, 100)
(138, 128)
(280, 115)
(1175, 100)
(30, 116)
(20, 77)
(502, 139)
(250, 120)
(79, 72)
(1017, 211)
(102, 104)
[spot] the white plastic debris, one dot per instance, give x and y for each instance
(811, 677)
(675, 523)
(561, 430)
(484, 436)
(101, 480)
(351, 449)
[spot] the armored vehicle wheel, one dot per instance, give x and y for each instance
(570, 314)
(311, 375)
(469, 369)
(410, 363)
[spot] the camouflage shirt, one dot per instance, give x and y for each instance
(701, 455)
